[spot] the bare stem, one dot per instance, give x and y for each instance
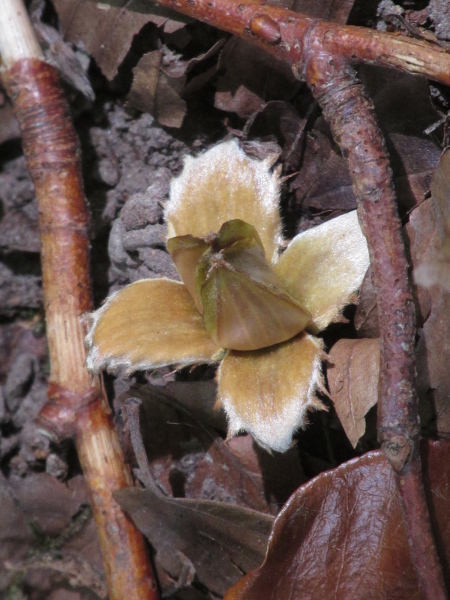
(350, 115)
(289, 35)
(77, 405)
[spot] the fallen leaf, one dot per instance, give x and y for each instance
(220, 540)
(107, 28)
(353, 382)
(251, 79)
(323, 184)
(160, 81)
(151, 92)
(72, 64)
(281, 121)
(366, 316)
(341, 535)
(189, 459)
(426, 232)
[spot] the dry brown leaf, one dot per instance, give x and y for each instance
(151, 92)
(158, 87)
(251, 79)
(342, 535)
(221, 540)
(324, 184)
(107, 29)
(191, 460)
(353, 382)
(266, 480)
(426, 233)
(366, 316)
(279, 121)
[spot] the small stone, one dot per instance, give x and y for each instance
(139, 211)
(19, 380)
(151, 237)
(56, 466)
(109, 172)
(4, 417)
(159, 262)
(119, 258)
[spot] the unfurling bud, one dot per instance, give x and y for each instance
(243, 302)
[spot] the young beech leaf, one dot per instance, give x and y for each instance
(243, 302)
(186, 251)
(245, 306)
(234, 231)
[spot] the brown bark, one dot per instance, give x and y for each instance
(351, 117)
(77, 405)
(287, 35)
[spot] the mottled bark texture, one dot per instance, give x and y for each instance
(77, 405)
(351, 117)
(286, 34)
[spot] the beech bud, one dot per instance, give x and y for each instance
(243, 302)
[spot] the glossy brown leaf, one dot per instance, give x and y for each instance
(353, 381)
(342, 535)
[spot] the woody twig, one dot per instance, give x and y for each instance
(77, 405)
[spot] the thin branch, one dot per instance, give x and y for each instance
(286, 35)
(77, 405)
(350, 115)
